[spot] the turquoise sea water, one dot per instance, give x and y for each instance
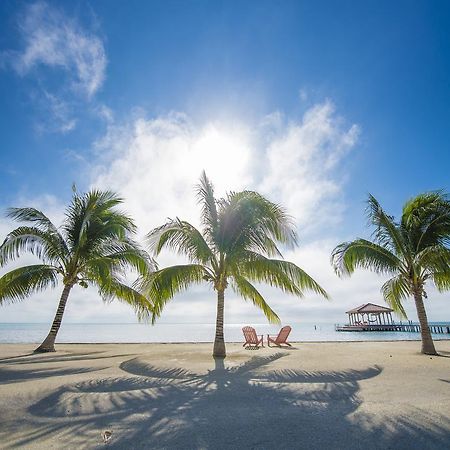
(88, 333)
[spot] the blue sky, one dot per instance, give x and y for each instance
(313, 103)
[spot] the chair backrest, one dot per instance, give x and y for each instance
(283, 334)
(250, 335)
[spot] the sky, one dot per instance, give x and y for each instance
(313, 104)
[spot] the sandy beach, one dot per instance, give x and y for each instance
(314, 396)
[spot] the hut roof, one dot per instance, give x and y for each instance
(370, 308)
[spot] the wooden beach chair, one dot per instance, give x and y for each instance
(281, 338)
(251, 338)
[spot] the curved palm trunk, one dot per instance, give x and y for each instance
(427, 340)
(219, 343)
(49, 343)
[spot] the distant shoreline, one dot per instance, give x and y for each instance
(190, 333)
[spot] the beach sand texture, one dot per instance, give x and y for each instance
(314, 396)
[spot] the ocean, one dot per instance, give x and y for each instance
(192, 332)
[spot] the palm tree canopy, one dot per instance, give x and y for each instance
(240, 235)
(411, 251)
(94, 247)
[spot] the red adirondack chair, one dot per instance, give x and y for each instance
(251, 338)
(281, 338)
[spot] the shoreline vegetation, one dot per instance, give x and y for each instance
(237, 247)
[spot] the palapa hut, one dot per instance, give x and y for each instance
(370, 314)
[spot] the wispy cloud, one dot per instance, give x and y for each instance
(301, 164)
(62, 117)
(67, 62)
(294, 162)
(155, 162)
(55, 40)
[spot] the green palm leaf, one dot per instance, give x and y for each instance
(240, 233)
(386, 233)
(349, 256)
(394, 291)
(162, 285)
(209, 215)
(115, 289)
(95, 247)
(413, 251)
(20, 283)
(183, 238)
(245, 289)
(284, 275)
(44, 245)
(248, 220)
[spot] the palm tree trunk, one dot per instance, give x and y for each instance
(427, 340)
(219, 343)
(49, 343)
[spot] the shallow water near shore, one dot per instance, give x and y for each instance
(135, 333)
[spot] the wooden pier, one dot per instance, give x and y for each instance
(404, 327)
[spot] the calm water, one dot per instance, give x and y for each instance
(85, 333)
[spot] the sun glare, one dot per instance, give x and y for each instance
(224, 153)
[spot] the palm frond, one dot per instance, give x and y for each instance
(248, 220)
(162, 285)
(34, 216)
(348, 256)
(209, 216)
(427, 219)
(245, 289)
(284, 275)
(45, 245)
(116, 289)
(91, 218)
(126, 254)
(20, 283)
(394, 291)
(442, 280)
(183, 238)
(387, 233)
(433, 259)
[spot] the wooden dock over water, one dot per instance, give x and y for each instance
(404, 327)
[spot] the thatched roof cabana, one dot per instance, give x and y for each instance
(370, 313)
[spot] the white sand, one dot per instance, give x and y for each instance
(314, 396)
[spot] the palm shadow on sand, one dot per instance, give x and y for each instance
(247, 406)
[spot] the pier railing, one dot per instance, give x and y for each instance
(404, 327)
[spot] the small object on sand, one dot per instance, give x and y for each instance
(106, 435)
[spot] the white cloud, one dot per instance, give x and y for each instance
(303, 95)
(62, 118)
(55, 40)
(154, 163)
(302, 160)
(67, 62)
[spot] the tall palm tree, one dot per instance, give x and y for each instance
(412, 251)
(239, 236)
(94, 247)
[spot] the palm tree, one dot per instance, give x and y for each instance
(412, 251)
(93, 247)
(239, 236)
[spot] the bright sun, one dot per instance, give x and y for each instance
(225, 155)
